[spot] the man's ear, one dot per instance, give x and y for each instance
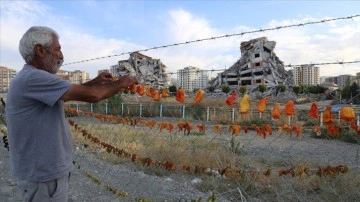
(39, 50)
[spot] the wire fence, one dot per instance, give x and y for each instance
(238, 156)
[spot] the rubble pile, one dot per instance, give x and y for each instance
(258, 65)
(148, 70)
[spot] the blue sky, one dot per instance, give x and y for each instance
(92, 29)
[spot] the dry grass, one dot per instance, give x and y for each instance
(207, 152)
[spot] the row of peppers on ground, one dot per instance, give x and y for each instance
(225, 172)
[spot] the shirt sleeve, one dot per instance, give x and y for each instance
(46, 87)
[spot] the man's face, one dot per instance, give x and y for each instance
(54, 57)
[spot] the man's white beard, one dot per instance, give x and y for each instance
(51, 65)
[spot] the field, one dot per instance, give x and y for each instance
(284, 166)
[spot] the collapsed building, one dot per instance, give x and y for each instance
(258, 64)
(146, 69)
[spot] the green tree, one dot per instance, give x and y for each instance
(354, 89)
(262, 88)
(297, 89)
(211, 89)
(281, 88)
(313, 90)
(242, 90)
(225, 89)
(113, 103)
(172, 90)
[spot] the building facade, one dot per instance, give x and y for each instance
(342, 80)
(6, 74)
(75, 77)
(191, 78)
(306, 75)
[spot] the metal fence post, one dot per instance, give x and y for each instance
(183, 112)
(140, 113)
(106, 108)
(77, 108)
(91, 107)
(207, 113)
(233, 115)
(321, 119)
(161, 108)
(122, 109)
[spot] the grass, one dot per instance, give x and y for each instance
(209, 151)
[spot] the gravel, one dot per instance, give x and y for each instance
(128, 181)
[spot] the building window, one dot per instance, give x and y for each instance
(257, 55)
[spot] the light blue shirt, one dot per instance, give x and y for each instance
(39, 136)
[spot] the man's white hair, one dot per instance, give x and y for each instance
(35, 35)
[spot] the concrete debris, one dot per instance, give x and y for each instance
(258, 65)
(148, 70)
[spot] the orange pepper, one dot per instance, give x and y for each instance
(180, 95)
(199, 96)
(164, 92)
(244, 105)
(328, 116)
(140, 89)
(217, 129)
(156, 96)
(133, 88)
(347, 114)
(230, 100)
(152, 92)
(275, 114)
(313, 112)
(289, 108)
(261, 106)
(147, 91)
(201, 127)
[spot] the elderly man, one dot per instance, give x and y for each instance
(39, 138)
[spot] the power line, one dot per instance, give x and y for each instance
(219, 37)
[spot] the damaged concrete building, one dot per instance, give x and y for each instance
(258, 65)
(148, 70)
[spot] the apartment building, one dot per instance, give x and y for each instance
(306, 75)
(342, 80)
(191, 78)
(75, 77)
(6, 74)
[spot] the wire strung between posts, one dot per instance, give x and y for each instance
(219, 37)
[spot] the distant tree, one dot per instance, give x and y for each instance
(195, 90)
(113, 102)
(313, 90)
(172, 89)
(297, 89)
(304, 88)
(225, 89)
(281, 88)
(262, 88)
(242, 89)
(211, 89)
(351, 92)
(355, 93)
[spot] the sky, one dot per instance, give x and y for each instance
(113, 28)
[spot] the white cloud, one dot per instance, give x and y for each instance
(327, 42)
